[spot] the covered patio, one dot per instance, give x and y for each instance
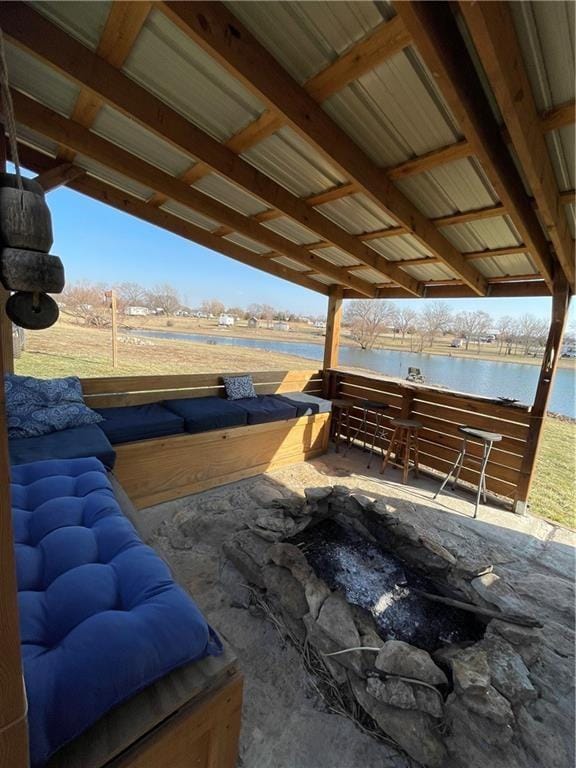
(359, 150)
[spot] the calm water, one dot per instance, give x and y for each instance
(479, 377)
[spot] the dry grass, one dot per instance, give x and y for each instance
(67, 349)
(553, 493)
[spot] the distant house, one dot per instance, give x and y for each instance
(281, 325)
(320, 324)
(252, 322)
(226, 321)
(137, 311)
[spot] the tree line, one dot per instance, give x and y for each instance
(369, 320)
(87, 302)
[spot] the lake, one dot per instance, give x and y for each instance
(478, 377)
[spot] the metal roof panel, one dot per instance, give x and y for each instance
(117, 180)
(32, 139)
(356, 214)
(458, 186)
(286, 262)
(183, 212)
(29, 75)
(230, 194)
(395, 112)
(292, 230)
(337, 257)
(307, 36)
(496, 232)
(502, 266)
(84, 21)
(247, 242)
(170, 65)
(293, 163)
(546, 35)
(399, 247)
(131, 136)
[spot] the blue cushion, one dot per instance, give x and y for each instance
(305, 404)
(39, 406)
(100, 615)
(68, 444)
(139, 422)
(201, 414)
(266, 408)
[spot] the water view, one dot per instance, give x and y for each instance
(479, 377)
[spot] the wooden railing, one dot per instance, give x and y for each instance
(441, 412)
(135, 390)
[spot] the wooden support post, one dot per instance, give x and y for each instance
(112, 296)
(13, 725)
(560, 304)
(332, 341)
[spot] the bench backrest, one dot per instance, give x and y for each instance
(135, 390)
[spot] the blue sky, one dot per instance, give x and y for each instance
(99, 243)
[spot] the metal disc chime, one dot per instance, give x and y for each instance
(26, 266)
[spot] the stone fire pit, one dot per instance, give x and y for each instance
(456, 703)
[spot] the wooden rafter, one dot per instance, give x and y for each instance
(123, 201)
(523, 289)
(440, 43)
(216, 30)
(43, 120)
(58, 176)
(123, 25)
(496, 43)
(28, 29)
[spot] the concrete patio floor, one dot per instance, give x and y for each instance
(285, 723)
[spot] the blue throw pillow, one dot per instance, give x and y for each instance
(239, 387)
(37, 407)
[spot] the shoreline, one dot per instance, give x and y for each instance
(564, 363)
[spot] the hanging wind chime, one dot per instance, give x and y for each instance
(26, 266)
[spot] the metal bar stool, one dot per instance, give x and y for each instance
(340, 414)
(404, 440)
(487, 439)
(367, 407)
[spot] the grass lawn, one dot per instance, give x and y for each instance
(553, 493)
(67, 349)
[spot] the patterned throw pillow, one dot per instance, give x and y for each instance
(37, 407)
(239, 387)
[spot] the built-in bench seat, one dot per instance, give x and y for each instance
(100, 616)
(201, 414)
(125, 424)
(75, 443)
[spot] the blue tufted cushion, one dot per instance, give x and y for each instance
(305, 404)
(201, 414)
(73, 443)
(39, 406)
(100, 615)
(139, 422)
(266, 408)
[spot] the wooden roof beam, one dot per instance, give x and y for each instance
(43, 120)
(123, 25)
(492, 29)
(527, 288)
(58, 176)
(440, 44)
(105, 193)
(217, 31)
(28, 29)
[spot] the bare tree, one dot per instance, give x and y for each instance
(212, 307)
(435, 320)
(164, 297)
(471, 326)
(262, 312)
(85, 301)
(368, 319)
(529, 330)
(404, 320)
(505, 329)
(130, 295)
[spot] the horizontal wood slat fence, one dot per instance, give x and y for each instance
(441, 412)
(136, 390)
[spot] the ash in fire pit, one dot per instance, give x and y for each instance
(380, 582)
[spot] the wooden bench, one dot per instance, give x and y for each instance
(158, 470)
